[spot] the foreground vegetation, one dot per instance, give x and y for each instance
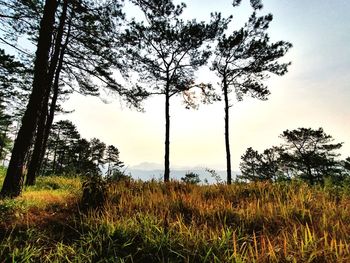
(177, 222)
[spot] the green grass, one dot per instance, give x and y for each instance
(156, 222)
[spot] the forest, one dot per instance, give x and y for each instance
(66, 198)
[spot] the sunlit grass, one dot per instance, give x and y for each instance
(175, 222)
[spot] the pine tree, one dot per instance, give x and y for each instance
(310, 153)
(166, 52)
(251, 162)
(112, 160)
(243, 60)
(84, 29)
(13, 182)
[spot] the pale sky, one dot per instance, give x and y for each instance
(315, 93)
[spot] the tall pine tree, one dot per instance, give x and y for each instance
(243, 60)
(166, 51)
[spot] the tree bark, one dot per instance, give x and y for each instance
(227, 135)
(45, 121)
(33, 166)
(13, 182)
(54, 163)
(167, 136)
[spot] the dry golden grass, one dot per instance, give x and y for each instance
(176, 222)
(259, 222)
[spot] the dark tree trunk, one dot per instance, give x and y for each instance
(54, 163)
(54, 98)
(227, 135)
(43, 167)
(309, 175)
(34, 163)
(167, 137)
(45, 122)
(13, 182)
(109, 170)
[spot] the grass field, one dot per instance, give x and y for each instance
(175, 222)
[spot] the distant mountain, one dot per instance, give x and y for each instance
(144, 172)
(147, 166)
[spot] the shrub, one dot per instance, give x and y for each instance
(191, 178)
(94, 193)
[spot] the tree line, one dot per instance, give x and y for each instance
(86, 46)
(68, 153)
(307, 154)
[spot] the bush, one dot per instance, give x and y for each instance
(94, 193)
(191, 178)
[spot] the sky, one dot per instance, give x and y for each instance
(314, 93)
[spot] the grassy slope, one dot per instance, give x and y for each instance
(153, 222)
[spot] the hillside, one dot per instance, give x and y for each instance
(157, 222)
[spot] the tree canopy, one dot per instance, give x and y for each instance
(306, 153)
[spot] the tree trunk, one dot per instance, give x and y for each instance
(108, 170)
(33, 166)
(55, 96)
(167, 137)
(43, 124)
(43, 167)
(55, 154)
(227, 135)
(309, 175)
(13, 182)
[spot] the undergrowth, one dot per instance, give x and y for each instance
(177, 222)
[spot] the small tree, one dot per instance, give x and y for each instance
(311, 153)
(166, 52)
(191, 178)
(261, 167)
(112, 160)
(251, 162)
(97, 149)
(243, 60)
(271, 167)
(83, 164)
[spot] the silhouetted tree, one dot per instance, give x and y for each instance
(84, 29)
(67, 152)
(13, 182)
(112, 160)
(166, 52)
(83, 163)
(12, 94)
(310, 153)
(191, 178)
(66, 146)
(261, 167)
(271, 167)
(346, 164)
(250, 165)
(12, 84)
(97, 150)
(243, 60)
